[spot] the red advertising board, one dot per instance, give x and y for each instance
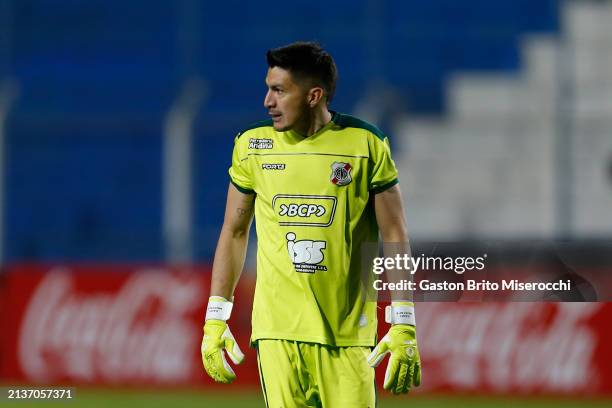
(141, 325)
(109, 325)
(518, 348)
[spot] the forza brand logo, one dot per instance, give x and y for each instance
(273, 166)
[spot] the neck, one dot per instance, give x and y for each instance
(314, 121)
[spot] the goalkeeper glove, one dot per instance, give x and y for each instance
(404, 366)
(217, 339)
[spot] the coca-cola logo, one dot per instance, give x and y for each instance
(509, 346)
(140, 332)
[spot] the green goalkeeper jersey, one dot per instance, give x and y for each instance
(313, 213)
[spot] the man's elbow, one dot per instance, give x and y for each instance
(235, 231)
(394, 233)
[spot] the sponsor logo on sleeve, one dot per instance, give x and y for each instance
(261, 143)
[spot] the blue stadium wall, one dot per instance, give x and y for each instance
(96, 78)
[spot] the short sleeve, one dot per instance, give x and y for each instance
(239, 171)
(384, 172)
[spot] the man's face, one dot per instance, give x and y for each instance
(286, 101)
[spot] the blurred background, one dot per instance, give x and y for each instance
(117, 122)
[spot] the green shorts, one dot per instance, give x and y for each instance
(297, 374)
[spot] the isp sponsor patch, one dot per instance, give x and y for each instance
(306, 254)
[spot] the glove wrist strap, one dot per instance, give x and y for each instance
(218, 309)
(400, 314)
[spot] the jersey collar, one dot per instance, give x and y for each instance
(328, 125)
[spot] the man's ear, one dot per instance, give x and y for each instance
(315, 95)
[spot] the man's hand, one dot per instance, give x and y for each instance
(219, 339)
(404, 367)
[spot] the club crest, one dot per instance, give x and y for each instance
(341, 173)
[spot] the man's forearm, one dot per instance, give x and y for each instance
(391, 250)
(228, 263)
(394, 232)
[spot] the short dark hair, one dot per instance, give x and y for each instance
(306, 60)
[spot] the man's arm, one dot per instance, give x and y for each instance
(232, 245)
(227, 267)
(404, 366)
(391, 221)
(390, 217)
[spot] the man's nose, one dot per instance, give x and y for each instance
(268, 100)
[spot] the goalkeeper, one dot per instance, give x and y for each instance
(320, 185)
